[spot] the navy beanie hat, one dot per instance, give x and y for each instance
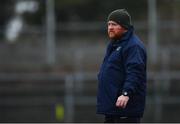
(120, 16)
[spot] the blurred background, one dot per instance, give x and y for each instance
(51, 51)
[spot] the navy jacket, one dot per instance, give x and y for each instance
(123, 69)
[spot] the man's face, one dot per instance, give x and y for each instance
(115, 31)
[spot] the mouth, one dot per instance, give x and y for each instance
(111, 32)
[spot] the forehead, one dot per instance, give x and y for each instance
(112, 22)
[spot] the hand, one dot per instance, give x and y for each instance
(122, 101)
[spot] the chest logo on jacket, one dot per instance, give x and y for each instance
(117, 49)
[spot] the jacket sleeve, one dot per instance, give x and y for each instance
(135, 69)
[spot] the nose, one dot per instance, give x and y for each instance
(110, 26)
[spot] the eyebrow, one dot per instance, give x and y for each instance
(114, 23)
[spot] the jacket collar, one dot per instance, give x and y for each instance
(125, 37)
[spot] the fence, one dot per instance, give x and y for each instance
(79, 90)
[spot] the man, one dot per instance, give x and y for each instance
(122, 76)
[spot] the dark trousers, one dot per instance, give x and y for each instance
(116, 119)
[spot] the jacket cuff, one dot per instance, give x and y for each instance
(126, 93)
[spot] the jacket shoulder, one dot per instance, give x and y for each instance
(134, 41)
